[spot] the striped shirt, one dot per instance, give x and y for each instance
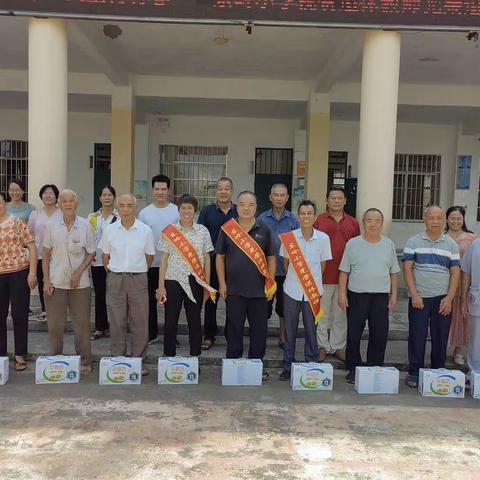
(432, 260)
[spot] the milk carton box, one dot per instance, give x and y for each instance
(4, 370)
(120, 371)
(178, 370)
(475, 384)
(57, 369)
(441, 383)
(241, 371)
(377, 380)
(311, 376)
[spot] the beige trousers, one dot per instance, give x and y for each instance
(78, 302)
(127, 306)
(332, 328)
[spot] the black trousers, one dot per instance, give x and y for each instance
(210, 329)
(99, 278)
(176, 297)
(238, 310)
(374, 308)
(279, 298)
(40, 283)
(152, 303)
(14, 291)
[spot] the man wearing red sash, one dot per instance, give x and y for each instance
(246, 266)
(305, 251)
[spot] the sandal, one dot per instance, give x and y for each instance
(207, 343)
(97, 335)
(145, 372)
(20, 365)
(411, 382)
(85, 370)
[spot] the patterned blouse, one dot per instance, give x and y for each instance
(177, 267)
(14, 237)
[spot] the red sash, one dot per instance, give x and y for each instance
(183, 246)
(252, 250)
(303, 272)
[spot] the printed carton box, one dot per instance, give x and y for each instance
(178, 370)
(57, 369)
(4, 370)
(241, 371)
(475, 384)
(120, 371)
(311, 376)
(441, 383)
(377, 380)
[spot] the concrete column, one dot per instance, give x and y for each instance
(378, 122)
(318, 145)
(47, 104)
(123, 139)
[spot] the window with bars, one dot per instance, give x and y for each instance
(193, 170)
(13, 163)
(478, 202)
(416, 185)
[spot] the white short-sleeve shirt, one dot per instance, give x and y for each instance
(68, 250)
(316, 250)
(127, 248)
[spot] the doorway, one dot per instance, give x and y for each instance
(272, 165)
(101, 174)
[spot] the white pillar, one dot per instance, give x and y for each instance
(47, 104)
(378, 122)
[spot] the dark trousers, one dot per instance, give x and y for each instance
(279, 297)
(210, 329)
(292, 310)
(152, 303)
(99, 278)
(176, 297)
(238, 310)
(418, 321)
(40, 283)
(14, 291)
(374, 308)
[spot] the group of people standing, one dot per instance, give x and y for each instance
(321, 267)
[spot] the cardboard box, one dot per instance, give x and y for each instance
(475, 384)
(441, 383)
(4, 370)
(242, 371)
(377, 380)
(57, 369)
(178, 370)
(120, 371)
(311, 376)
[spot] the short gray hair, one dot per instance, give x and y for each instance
(128, 194)
(67, 191)
(278, 185)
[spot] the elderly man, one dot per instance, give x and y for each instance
(279, 220)
(127, 253)
(432, 271)
(68, 251)
(213, 216)
(246, 262)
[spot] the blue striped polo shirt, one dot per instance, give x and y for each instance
(432, 260)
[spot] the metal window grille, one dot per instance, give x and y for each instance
(13, 163)
(273, 161)
(193, 170)
(416, 185)
(478, 202)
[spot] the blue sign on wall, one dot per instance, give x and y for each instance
(464, 170)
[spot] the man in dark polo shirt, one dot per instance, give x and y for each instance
(340, 227)
(213, 216)
(242, 285)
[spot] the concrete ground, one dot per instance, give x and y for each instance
(87, 431)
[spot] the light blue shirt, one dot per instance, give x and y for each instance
(316, 250)
(286, 223)
(22, 212)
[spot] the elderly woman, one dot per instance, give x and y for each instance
(99, 220)
(18, 272)
(37, 222)
(184, 275)
(369, 270)
(17, 207)
(68, 250)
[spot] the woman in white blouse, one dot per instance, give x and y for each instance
(99, 221)
(37, 221)
(178, 285)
